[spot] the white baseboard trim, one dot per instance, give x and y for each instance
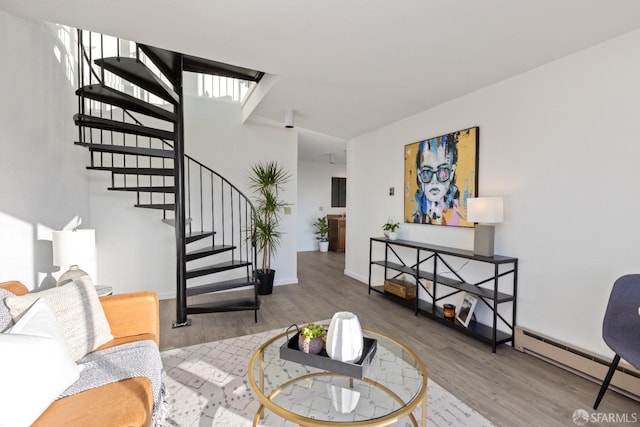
(355, 276)
(626, 380)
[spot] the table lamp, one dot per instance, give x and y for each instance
(72, 248)
(486, 211)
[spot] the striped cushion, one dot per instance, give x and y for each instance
(78, 310)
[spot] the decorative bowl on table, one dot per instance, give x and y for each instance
(311, 338)
(310, 345)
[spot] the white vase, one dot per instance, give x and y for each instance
(324, 246)
(344, 400)
(392, 235)
(344, 338)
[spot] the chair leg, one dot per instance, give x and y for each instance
(607, 380)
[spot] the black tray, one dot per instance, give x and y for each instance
(290, 351)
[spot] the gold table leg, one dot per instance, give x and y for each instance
(261, 410)
(424, 411)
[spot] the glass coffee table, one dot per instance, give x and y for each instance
(394, 385)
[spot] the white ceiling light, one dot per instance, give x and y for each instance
(289, 117)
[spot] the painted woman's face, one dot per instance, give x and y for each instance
(436, 172)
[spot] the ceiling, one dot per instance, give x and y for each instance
(349, 67)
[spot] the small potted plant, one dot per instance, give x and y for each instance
(322, 233)
(390, 228)
(311, 338)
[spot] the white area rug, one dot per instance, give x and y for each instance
(208, 386)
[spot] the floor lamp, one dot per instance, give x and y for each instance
(486, 211)
(72, 248)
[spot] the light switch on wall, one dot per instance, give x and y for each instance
(392, 191)
(287, 210)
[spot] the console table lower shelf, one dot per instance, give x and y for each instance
(475, 329)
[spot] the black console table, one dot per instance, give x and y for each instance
(424, 261)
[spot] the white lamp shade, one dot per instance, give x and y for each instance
(74, 247)
(487, 210)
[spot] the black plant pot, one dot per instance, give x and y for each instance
(265, 281)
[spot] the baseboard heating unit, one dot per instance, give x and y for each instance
(626, 380)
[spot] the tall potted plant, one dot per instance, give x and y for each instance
(322, 233)
(266, 181)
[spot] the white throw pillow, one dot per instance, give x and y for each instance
(37, 366)
(78, 310)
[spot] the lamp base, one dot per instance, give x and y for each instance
(70, 275)
(483, 240)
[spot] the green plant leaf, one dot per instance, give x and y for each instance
(322, 229)
(266, 180)
(313, 330)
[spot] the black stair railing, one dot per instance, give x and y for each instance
(138, 137)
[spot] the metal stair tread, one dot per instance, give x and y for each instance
(216, 268)
(219, 286)
(168, 62)
(137, 73)
(161, 206)
(196, 64)
(172, 221)
(134, 171)
(125, 101)
(209, 250)
(198, 235)
(126, 149)
(166, 189)
(239, 304)
(116, 126)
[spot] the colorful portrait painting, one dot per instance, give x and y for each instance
(440, 174)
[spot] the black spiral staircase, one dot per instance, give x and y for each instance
(131, 118)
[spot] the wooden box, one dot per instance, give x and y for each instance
(400, 288)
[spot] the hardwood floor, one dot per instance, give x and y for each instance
(509, 387)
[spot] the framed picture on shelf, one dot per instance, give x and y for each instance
(466, 309)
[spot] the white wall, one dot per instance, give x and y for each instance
(44, 183)
(137, 250)
(559, 143)
(314, 198)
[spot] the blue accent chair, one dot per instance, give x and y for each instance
(621, 326)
